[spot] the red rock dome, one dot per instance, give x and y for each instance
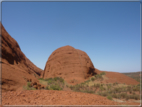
(68, 63)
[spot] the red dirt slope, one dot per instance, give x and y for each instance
(16, 67)
(113, 77)
(50, 97)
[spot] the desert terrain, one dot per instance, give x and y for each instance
(69, 78)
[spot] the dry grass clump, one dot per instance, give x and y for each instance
(110, 91)
(28, 86)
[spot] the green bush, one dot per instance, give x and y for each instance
(104, 94)
(29, 88)
(97, 85)
(50, 82)
(117, 90)
(55, 87)
(99, 93)
(103, 73)
(133, 93)
(118, 96)
(40, 79)
(47, 88)
(137, 88)
(123, 95)
(136, 97)
(127, 97)
(71, 87)
(93, 79)
(48, 79)
(114, 95)
(109, 97)
(28, 84)
(61, 80)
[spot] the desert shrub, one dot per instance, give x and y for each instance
(136, 97)
(56, 83)
(103, 73)
(118, 96)
(56, 78)
(87, 81)
(129, 88)
(99, 93)
(104, 94)
(76, 88)
(131, 96)
(101, 88)
(97, 85)
(127, 97)
(47, 88)
(40, 79)
(123, 95)
(98, 76)
(50, 82)
(28, 84)
(92, 79)
(71, 87)
(110, 91)
(130, 91)
(104, 88)
(102, 84)
(114, 95)
(61, 80)
(55, 87)
(28, 88)
(136, 88)
(113, 84)
(47, 79)
(109, 97)
(108, 87)
(31, 88)
(124, 89)
(117, 90)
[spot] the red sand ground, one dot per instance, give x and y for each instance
(50, 97)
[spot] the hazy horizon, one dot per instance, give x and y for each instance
(109, 32)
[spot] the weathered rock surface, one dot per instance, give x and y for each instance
(16, 67)
(70, 64)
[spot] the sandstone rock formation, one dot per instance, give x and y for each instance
(16, 67)
(70, 64)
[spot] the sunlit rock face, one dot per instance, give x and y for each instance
(68, 62)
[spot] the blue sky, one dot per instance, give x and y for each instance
(109, 32)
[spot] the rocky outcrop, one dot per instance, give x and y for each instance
(16, 67)
(69, 63)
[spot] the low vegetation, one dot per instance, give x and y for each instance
(56, 83)
(110, 91)
(28, 86)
